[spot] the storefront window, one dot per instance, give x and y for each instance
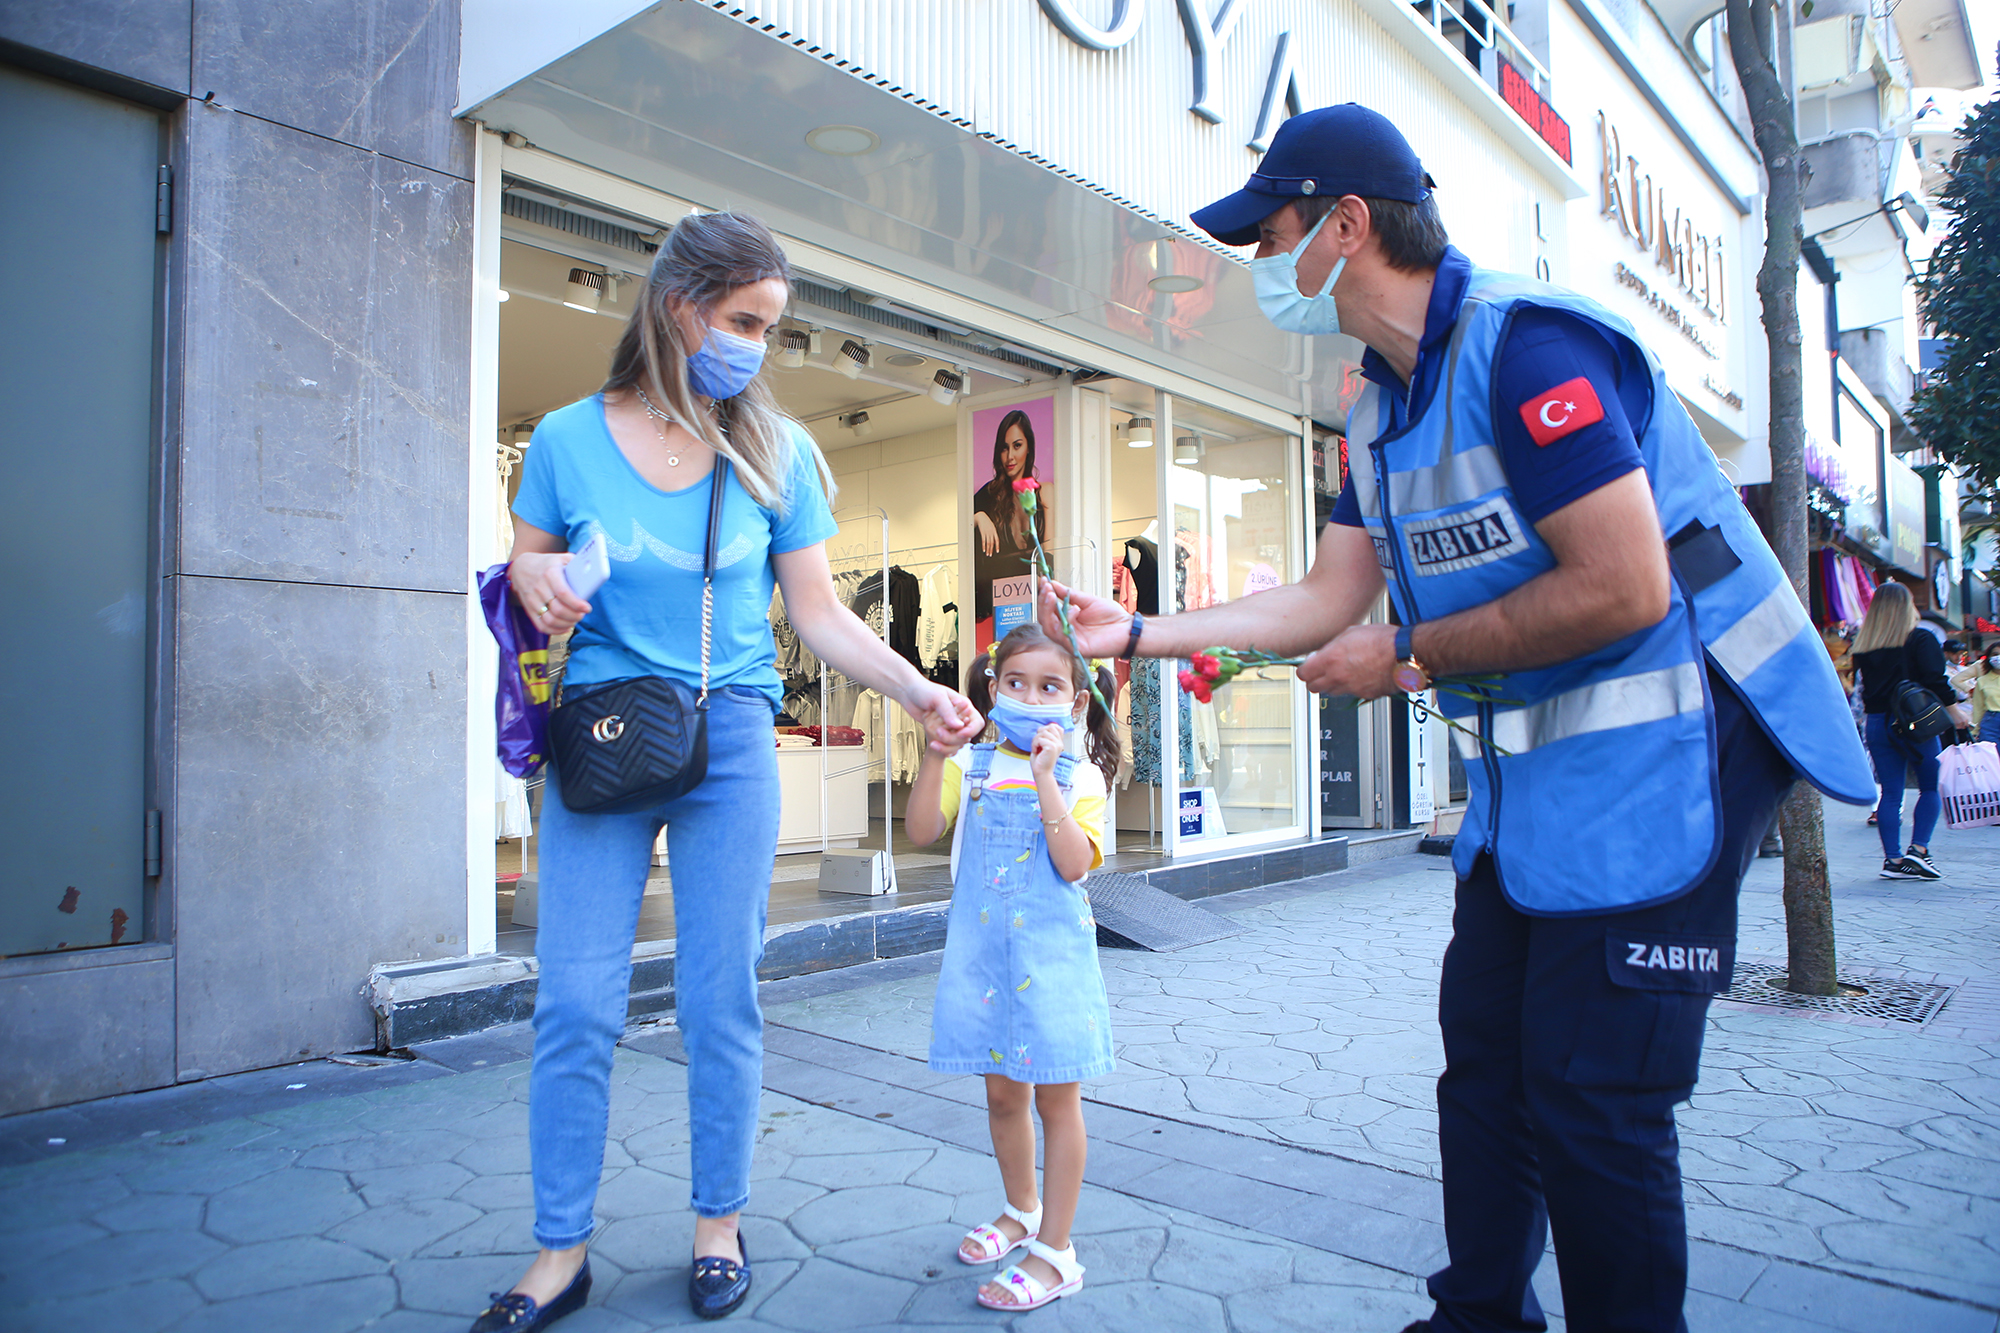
(1231, 489)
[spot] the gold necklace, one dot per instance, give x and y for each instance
(656, 416)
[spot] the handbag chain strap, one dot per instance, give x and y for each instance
(718, 483)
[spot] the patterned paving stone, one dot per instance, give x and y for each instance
(1265, 1159)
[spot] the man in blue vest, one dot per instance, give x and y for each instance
(1541, 509)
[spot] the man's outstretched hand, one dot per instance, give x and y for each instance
(1102, 626)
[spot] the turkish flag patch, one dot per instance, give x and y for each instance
(1562, 410)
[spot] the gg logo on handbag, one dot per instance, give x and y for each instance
(607, 729)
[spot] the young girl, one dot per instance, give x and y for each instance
(1020, 999)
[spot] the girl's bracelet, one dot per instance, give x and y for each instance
(1051, 825)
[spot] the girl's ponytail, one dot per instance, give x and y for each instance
(1102, 728)
(979, 682)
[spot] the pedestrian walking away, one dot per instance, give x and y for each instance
(1892, 647)
(1020, 999)
(1560, 547)
(684, 410)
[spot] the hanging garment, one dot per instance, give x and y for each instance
(937, 625)
(510, 805)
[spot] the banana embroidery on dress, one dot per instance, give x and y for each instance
(1025, 983)
(1025, 855)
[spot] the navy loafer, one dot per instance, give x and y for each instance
(717, 1285)
(513, 1312)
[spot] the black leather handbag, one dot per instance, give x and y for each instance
(629, 745)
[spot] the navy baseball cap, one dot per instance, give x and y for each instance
(1334, 150)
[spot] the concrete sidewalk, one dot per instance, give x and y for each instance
(1264, 1160)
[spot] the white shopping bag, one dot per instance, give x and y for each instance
(1969, 783)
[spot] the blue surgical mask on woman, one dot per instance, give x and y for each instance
(725, 363)
(1018, 722)
(1276, 278)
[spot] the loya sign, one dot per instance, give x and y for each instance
(1642, 209)
(1206, 35)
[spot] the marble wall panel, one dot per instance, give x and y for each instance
(319, 827)
(146, 40)
(327, 361)
(85, 1025)
(378, 74)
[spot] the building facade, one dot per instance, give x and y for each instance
(386, 260)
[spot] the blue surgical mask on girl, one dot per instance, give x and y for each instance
(725, 363)
(1018, 722)
(1276, 278)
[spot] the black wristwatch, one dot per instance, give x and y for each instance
(1132, 643)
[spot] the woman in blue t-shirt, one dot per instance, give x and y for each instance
(636, 462)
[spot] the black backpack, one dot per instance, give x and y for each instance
(1915, 715)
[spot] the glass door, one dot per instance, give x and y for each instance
(1235, 528)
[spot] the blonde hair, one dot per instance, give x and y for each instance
(702, 260)
(1891, 618)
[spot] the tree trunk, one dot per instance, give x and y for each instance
(1808, 899)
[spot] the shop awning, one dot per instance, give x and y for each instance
(699, 105)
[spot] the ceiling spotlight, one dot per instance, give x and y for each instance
(584, 290)
(1139, 433)
(946, 386)
(1175, 282)
(851, 359)
(843, 140)
(905, 359)
(792, 344)
(858, 423)
(1188, 449)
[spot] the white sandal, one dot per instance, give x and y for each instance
(993, 1242)
(1020, 1284)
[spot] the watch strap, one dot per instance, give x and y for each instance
(1403, 649)
(1132, 642)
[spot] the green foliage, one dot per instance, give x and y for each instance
(1959, 410)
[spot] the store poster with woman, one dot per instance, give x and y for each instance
(1010, 442)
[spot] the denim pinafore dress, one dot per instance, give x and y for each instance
(1019, 992)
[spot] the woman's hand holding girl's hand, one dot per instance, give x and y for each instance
(1049, 743)
(543, 592)
(948, 718)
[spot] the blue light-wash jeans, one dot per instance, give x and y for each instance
(1891, 756)
(721, 839)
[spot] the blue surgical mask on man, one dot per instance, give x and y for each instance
(1276, 278)
(724, 364)
(1018, 722)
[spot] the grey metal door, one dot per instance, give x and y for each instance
(79, 243)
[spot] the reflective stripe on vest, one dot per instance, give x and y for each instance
(1623, 701)
(1761, 634)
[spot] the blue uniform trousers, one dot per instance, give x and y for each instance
(1568, 1042)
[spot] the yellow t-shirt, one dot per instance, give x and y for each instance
(1010, 772)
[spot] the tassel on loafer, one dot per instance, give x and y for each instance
(718, 1285)
(514, 1312)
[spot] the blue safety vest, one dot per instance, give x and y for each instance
(1605, 797)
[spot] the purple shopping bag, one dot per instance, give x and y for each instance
(521, 704)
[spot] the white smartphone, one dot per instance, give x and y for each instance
(590, 567)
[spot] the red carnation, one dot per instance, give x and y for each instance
(1208, 666)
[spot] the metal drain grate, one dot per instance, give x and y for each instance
(1887, 997)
